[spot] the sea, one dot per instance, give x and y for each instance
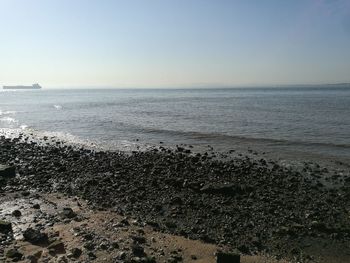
(280, 121)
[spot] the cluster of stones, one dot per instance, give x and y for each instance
(245, 203)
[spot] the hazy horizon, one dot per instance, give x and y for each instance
(192, 43)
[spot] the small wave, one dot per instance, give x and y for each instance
(23, 127)
(238, 138)
(57, 107)
(8, 112)
(8, 120)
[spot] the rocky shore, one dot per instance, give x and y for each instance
(246, 204)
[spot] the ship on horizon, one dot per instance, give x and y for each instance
(34, 86)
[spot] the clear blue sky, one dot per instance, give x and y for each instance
(164, 43)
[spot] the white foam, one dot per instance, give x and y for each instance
(8, 120)
(7, 112)
(57, 107)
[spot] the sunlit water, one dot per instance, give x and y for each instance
(295, 117)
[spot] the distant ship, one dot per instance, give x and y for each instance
(34, 86)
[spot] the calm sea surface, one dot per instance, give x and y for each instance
(294, 117)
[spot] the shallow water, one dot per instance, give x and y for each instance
(300, 119)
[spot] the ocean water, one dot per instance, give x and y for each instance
(314, 119)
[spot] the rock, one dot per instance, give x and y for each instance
(228, 257)
(138, 239)
(68, 213)
(175, 259)
(90, 245)
(92, 255)
(62, 259)
(5, 226)
(104, 245)
(149, 260)
(34, 236)
(137, 250)
(25, 193)
(14, 254)
(121, 255)
(224, 189)
(35, 257)
(36, 206)
(115, 244)
(75, 253)
(7, 171)
(56, 247)
(16, 213)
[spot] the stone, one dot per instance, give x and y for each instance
(56, 247)
(92, 255)
(137, 250)
(68, 213)
(36, 206)
(62, 259)
(89, 245)
(224, 189)
(34, 236)
(14, 254)
(121, 255)
(228, 257)
(7, 171)
(138, 239)
(35, 257)
(5, 226)
(75, 253)
(16, 213)
(25, 193)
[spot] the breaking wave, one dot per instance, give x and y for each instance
(8, 120)
(57, 107)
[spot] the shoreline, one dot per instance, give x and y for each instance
(284, 152)
(252, 204)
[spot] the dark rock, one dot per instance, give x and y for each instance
(175, 259)
(34, 236)
(5, 226)
(75, 253)
(138, 239)
(16, 213)
(92, 255)
(122, 255)
(90, 245)
(68, 213)
(7, 171)
(14, 254)
(137, 250)
(57, 247)
(36, 206)
(225, 257)
(225, 189)
(26, 193)
(149, 260)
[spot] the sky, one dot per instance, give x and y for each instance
(174, 43)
